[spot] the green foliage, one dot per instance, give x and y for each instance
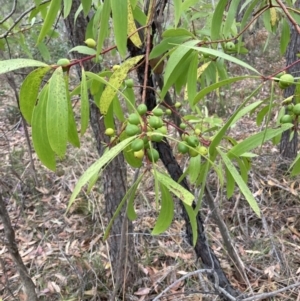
(196, 60)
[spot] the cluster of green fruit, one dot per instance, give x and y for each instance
(191, 144)
(284, 80)
(293, 111)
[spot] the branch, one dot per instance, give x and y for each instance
(4, 35)
(11, 244)
(11, 13)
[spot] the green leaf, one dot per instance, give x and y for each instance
(86, 6)
(175, 63)
(57, 113)
(218, 85)
(84, 50)
(230, 184)
(177, 10)
(285, 36)
(230, 18)
(115, 82)
(219, 136)
(194, 169)
(295, 166)
(39, 131)
(72, 129)
(225, 56)
(217, 19)
(166, 213)
(104, 25)
(85, 107)
(53, 10)
(29, 91)
(242, 185)
(193, 222)
(183, 194)
(131, 214)
(246, 110)
(67, 7)
(14, 64)
(165, 45)
(119, 15)
(192, 79)
(257, 140)
(106, 158)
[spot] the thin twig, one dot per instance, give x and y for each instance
(11, 13)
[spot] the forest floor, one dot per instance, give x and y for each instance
(65, 253)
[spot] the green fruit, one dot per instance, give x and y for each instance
(63, 62)
(286, 119)
(296, 109)
(282, 85)
(90, 43)
(137, 144)
(155, 122)
(184, 137)
(197, 132)
(286, 80)
(152, 155)
(139, 154)
(230, 46)
(142, 109)
(132, 129)
(156, 137)
(134, 119)
(182, 148)
(129, 83)
(290, 107)
(158, 112)
(163, 130)
(203, 150)
(193, 152)
(177, 105)
(109, 132)
(192, 141)
(182, 126)
(168, 112)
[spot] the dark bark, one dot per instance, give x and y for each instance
(10, 242)
(288, 149)
(202, 249)
(113, 177)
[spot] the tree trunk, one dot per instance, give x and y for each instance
(288, 149)
(113, 177)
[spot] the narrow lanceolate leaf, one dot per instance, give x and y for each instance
(115, 82)
(72, 129)
(217, 20)
(257, 140)
(132, 30)
(85, 108)
(57, 113)
(166, 213)
(39, 131)
(104, 23)
(53, 10)
(86, 6)
(240, 182)
(285, 36)
(296, 166)
(230, 18)
(119, 15)
(29, 91)
(14, 64)
(183, 194)
(131, 214)
(192, 216)
(84, 50)
(97, 166)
